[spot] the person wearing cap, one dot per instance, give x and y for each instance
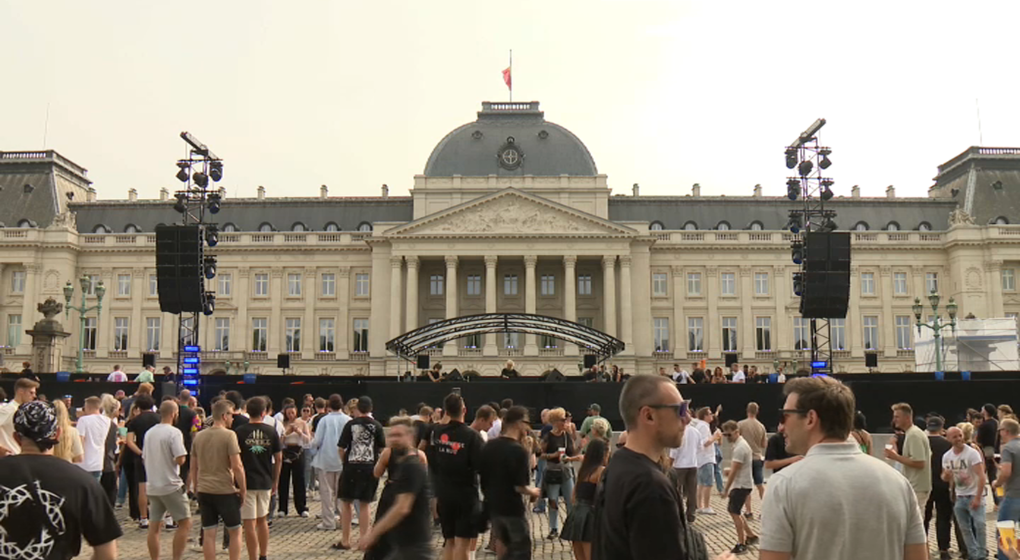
(940, 500)
(594, 411)
(51, 504)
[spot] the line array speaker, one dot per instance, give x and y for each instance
(179, 280)
(826, 275)
(423, 361)
(283, 361)
(589, 360)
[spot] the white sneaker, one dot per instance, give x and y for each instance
(324, 527)
(304, 514)
(708, 511)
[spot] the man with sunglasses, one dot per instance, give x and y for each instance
(836, 503)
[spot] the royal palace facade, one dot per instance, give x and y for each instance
(510, 215)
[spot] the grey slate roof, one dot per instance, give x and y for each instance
(993, 174)
(548, 148)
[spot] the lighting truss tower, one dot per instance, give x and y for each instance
(193, 201)
(809, 159)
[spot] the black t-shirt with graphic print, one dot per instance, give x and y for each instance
(259, 442)
(363, 441)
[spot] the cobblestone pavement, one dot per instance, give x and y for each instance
(296, 538)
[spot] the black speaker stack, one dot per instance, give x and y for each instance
(826, 277)
(590, 360)
(179, 279)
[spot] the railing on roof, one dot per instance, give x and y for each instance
(754, 238)
(509, 106)
(978, 151)
(44, 155)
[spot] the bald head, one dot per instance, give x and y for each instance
(167, 411)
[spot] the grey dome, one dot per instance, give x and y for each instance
(548, 149)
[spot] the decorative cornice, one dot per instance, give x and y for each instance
(608, 261)
(491, 261)
(412, 261)
(992, 266)
(396, 262)
(343, 272)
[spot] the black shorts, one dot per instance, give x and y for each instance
(216, 507)
(737, 498)
(139, 467)
(459, 517)
(358, 484)
(515, 535)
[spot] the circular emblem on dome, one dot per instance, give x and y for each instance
(477, 135)
(543, 134)
(510, 156)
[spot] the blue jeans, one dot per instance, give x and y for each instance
(718, 469)
(554, 492)
(972, 526)
(122, 487)
(1009, 510)
(539, 475)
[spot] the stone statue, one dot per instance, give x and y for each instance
(66, 219)
(960, 217)
(50, 308)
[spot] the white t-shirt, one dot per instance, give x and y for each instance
(686, 456)
(681, 377)
(706, 455)
(93, 429)
(496, 429)
(962, 466)
(738, 377)
(163, 444)
(7, 427)
(117, 377)
(742, 454)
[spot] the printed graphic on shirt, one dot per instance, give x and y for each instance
(32, 501)
(362, 444)
(258, 443)
(444, 445)
(962, 473)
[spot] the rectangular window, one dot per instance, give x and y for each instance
(763, 333)
(153, 286)
(259, 334)
(123, 284)
(761, 283)
(871, 332)
(472, 341)
(510, 285)
(584, 285)
(660, 333)
(225, 285)
(1008, 280)
(837, 330)
(153, 330)
(586, 321)
(729, 334)
(903, 332)
(294, 285)
(474, 285)
(900, 283)
(361, 335)
(292, 335)
(327, 335)
(801, 333)
(262, 284)
(436, 284)
(695, 334)
(18, 282)
(728, 284)
(328, 284)
(694, 283)
(546, 341)
(361, 287)
(222, 332)
(548, 285)
(931, 282)
(13, 330)
(93, 282)
(120, 333)
(659, 284)
(91, 334)
(511, 340)
(867, 283)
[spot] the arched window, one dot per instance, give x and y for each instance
(1001, 221)
(723, 226)
(266, 227)
(656, 226)
(131, 228)
(100, 229)
(690, 226)
(332, 227)
(25, 223)
(861, 226)
(756, 226)
(229, 227)
(298, 226)
(364, 226)
(892, 226)
(924, 226)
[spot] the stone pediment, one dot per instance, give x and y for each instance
(511, 212)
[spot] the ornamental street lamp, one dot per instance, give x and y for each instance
(936, 323)
(100, 291)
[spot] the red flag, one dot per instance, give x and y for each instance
(506, 78)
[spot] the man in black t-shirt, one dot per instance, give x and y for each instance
(260, 446)
(406, 522)
(137, 428)
(186, 424)
(456, 453)
(776, 456)
(986, 437)
(506, 476)
(940, 499)
(360, 443)
(51, 504)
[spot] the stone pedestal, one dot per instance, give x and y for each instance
(48, 339)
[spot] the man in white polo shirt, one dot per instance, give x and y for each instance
(93, 428)
(685, 464)
(836, 503)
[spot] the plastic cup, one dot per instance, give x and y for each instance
(1000, 491)
(1007, 534)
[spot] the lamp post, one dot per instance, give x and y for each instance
(84, 282)
(936, 324)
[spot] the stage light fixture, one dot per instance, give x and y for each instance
(209, 303)
(214, 203)
(826, 192)
(798, 253)
(794, 224)
(792, 189)
(212, 235)
(798, 284)
(180, 204)
(824, 162)
(791, 158)
(200, 179)
(828, 225)
(216, 171)
(209, 267)
(182, 175)
(804, 169)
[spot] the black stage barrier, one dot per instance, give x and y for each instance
(874, 396)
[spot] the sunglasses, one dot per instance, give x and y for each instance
(681, 409)
(784, 412)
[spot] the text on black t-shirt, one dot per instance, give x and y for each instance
(259, 443)
(456, 450)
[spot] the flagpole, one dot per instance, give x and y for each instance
(511, 75)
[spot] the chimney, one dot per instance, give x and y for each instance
(262, 193)
(323, 191)
(164, 194)
(890, 192)
(757, 191)
(92, 195)
(133, 195)
(696, 190)
(637, 189)
(222, 191)
(385, 191)
(855, 191)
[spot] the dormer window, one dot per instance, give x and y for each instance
(1001, 221)
(131, 228)
(892, 226)
(100, 229)
(723, 226)
(756, 226)
(298, 226)
(266, 227)
(228, 227)
(365, 226)
(861, 226)
(656, 226)
(331, 227)
(690, 226)
(924, 226)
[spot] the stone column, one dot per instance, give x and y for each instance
(713, 323)
(782, 328)
(609, 294)
(277, 295)
(570, 297)
(104, 319)
(679, 320)
(855, 322)
(626, 308)
(344, 326)
(379, 317)
(139, 330)
(412, 293)
(887, 322)
(746, 336)
(310, 329)
(450, 349)
(993, 279)
(241, 338)
(396, 291)
(490, 347)
(530, 261)
(28, 306)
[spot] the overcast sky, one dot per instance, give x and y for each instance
(356, 94)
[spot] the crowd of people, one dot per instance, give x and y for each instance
(477, 478)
